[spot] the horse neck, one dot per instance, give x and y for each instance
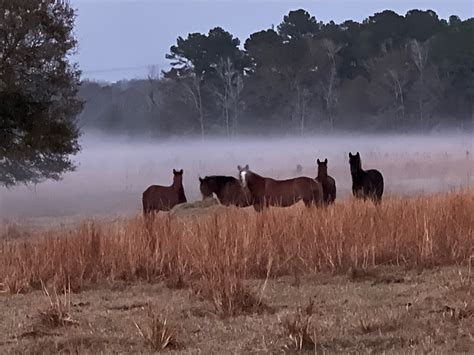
(257, 180)
(358, 175)
(177, 185)
(322, 175)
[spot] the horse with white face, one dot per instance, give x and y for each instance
(283, 193)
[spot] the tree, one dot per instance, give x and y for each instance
(195, 61)
(387, 30)
(298, 24)
(328, 75)
(388, 72)
(453, 52)
(228, 93)
(390, 76)
(427, 85)
(38, 87)
(422, 25)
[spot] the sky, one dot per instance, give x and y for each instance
(123, 39)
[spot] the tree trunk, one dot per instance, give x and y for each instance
(201, 114)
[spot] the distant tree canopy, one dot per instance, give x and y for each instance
(390, 72)
(38, 88)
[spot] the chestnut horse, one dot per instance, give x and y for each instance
(270, 192)
(365, 183)
(163, 198)
(328, 182)
(228, 190)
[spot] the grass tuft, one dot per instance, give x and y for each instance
(58, 314)
(159, 334)
(298, 328)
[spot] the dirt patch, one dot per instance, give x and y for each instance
(427, 312)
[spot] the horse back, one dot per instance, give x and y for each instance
(374, 177)
(290, 190)
(163, 198)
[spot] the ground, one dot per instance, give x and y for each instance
(389, 309)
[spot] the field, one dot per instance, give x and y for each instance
(352, 277)
(80, 271)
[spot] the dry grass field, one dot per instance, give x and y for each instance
(349, 278)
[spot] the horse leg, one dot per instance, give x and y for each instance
(258, 207)
(259, 204)
(308, 201)
(377, 199)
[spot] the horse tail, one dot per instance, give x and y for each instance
(380, 187)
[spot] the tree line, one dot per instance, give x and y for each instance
(390, 73)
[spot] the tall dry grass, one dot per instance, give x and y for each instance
(239, 243)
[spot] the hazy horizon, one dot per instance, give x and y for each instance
(113, 171)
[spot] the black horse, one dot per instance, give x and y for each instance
(228, 189)
(365, 183)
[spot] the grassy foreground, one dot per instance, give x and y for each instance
(352, 277)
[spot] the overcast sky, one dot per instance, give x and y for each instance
(120, 39)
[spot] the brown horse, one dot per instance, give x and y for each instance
(328, 182)
(228, 189)
(270, 192)
(163, 198)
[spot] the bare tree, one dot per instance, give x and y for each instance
(228, 93)
(331, 81)
(303, 97)
(153, 79)
(296, 75)
(192, 93)
(152, 94)
(428, 85)
(419, 55)
(390, 75)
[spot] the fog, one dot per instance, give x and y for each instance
(112, 173)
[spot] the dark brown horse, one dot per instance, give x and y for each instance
(163, 198)
(270, 192)
(228, 189)
(328, 182)
(365, 183)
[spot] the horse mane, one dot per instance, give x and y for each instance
(181, 195)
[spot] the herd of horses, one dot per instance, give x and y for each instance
(251, 189)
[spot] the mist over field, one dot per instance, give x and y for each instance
(112, 172)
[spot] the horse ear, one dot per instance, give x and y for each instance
(350, 155)
(239, 167)
(326, 161)
(201, 179)
(318, 161)
(181, 172)
(174, 172)
(358, 155)
(247, 167)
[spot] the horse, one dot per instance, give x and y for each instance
(228, 190)
(163, 198)
(365, 183)
(328, 183)
(283, 193)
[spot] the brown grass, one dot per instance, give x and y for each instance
(58, 313)
(414, 232)
(299, 329)
(159, 334)
(227, 293)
